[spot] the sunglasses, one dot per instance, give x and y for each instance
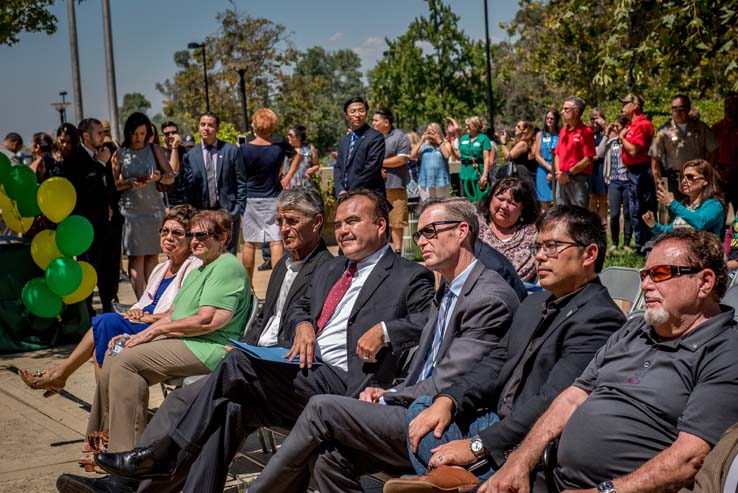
(176, 233)
(692, 178)
(199, 236)
(567, 110)
(679, 108)
(552, 248)
(167, 134)
(430, 231)
(661, 273)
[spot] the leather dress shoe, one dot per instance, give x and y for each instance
(139, 463)
(267, 265)
(70, 483)
(442, 479)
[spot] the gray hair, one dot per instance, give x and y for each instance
(456, 209)
(578, 102)
(305, 199)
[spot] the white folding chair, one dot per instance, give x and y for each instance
(624, 286)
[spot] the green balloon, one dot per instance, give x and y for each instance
(39, 299)
(5, 168)
(74, 236)
(27, 203)
(63, 276)
(20, 180)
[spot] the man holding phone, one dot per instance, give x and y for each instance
(174, 152)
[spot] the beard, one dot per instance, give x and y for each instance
(656, 316)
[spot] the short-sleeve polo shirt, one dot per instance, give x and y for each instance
(640, 133)
(575, 143)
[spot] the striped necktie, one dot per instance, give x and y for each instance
(432, 354)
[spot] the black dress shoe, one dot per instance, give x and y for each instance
(69, 483)
(139, 463)
(267, 265)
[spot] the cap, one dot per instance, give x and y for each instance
(188, 141)
(632, 98)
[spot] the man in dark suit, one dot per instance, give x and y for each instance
(360, 152)
(345, 437)
(554, 335)
(215, 175)
(367, 308)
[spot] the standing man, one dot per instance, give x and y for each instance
(725, 159)
(175, 154)
(636, 140)
(574, 155)
(12, 145)
(215, 175)
(396, 157)
(360, 152)
(657, 396)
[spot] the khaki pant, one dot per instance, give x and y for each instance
(397, 197)
(122, 395)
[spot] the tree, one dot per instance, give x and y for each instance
(432, 71)
(17, 16)
(132, 102)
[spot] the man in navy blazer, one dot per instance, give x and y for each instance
(360, 152)
(229, 190)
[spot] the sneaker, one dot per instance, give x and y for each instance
(267, 265)
(613, 249)
(626, 249)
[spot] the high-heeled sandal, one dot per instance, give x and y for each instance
(40, 380)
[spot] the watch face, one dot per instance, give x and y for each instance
(477, 445)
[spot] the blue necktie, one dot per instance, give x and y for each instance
(353, 138)
(430, 357)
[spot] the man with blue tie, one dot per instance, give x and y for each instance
(360, 152)
(215, 175)
(346, 437)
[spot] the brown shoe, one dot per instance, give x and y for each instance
(443, 479)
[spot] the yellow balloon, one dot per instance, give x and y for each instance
(85, 289)
(12, 217)
(56, 198)
(43, 248)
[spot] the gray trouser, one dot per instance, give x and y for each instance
(576, 192)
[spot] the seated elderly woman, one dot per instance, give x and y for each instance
(211, 307)
(507, 222)
(703, 208)
(163, 285)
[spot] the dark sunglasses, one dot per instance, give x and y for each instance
(199, 236)
(691, 178)
(176, 233)
(167, 134)
(679, 108)
(661, 273)
(430, 231)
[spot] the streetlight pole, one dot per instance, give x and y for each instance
(490, 101)
(62, 107)
(194, 46)
(241, 66)
(74, 50)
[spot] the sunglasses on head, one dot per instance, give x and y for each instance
(176, 233)
(661, 273)
(430, 231)
(200, 235)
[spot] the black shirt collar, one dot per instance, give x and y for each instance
(701, 334)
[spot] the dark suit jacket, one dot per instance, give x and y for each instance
(231, 178)
(496, 261)
(297, 290)
(481, 318)
(581, 327)
(364, 169)
(94, 185)
(398, 292)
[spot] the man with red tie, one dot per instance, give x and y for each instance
(363, 311)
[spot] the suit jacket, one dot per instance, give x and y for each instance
(364, 169)
(481, 318)
(580, 328)
(94, 185)
(397, 292)
(496, 261)
(297, 290)
(714, 472)
(231, 178)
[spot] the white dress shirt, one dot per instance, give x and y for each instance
(269, 336)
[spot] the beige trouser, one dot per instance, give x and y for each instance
(122, 395)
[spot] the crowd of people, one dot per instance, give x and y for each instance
(460, 383)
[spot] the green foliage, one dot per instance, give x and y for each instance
(132, 102)
(17, 16)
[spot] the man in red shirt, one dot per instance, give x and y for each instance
(636, 140)
(573, 156)
(725, 159)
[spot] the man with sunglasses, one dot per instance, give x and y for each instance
(658, 395)
(553, 337)
(175, 152)
(346, 437)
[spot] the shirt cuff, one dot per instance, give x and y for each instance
(386, 333)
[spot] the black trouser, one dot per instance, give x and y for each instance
(108, 275)
(642, 199)
(95, 256)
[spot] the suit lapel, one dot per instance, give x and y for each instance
(426, 339)
(453, 321)
(375, 279)
(359, 141)
(219, 145)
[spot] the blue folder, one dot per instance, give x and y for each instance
(272, 353)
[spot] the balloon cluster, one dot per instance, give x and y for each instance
(65, 280)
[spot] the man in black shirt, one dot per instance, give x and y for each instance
(171, 144)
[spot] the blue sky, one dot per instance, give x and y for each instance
(147, 33)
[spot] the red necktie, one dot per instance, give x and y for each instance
(335, 296)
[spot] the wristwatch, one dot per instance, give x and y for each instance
(477, 447)
(570, 174)
(606, 487)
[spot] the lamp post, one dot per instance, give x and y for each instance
(62, 107)
(195, 46)
(240, 66)
(490, 101)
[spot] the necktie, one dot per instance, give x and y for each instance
(210, 172)
(353, 138)
(335, 296)
(432, 354)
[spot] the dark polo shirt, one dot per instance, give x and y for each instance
(643, 392)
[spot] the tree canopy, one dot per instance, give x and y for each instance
(17, 16)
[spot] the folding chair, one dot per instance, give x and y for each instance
(624, 286)
(731, 299)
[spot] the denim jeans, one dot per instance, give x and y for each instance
(642, 194)
(617, 195)
(457, 430)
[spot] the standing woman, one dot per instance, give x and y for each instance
(521, 150)
(546, 141)
(597, 185)
(263, 161)
(477, 155)
(433, 153)
(305, 163)
(137, 167)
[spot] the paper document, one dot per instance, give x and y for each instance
(272, 353)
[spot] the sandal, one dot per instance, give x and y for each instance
(40, 380)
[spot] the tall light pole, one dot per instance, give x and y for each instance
(195, 46)
(110, 71)
(62, 107)
(490, 101)
(240, 66)
(76, 84)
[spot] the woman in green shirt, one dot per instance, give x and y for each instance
(476, 157)
(212, 305)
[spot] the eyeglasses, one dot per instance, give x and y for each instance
(167, 134)
(552, 248)
(679, 108)
(567, 110)
(176, 233)
(521, 127)
(199, 235)
(430, 231)
(692, 178)
(661, 273)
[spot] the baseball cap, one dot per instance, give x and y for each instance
(188, 141)
(632, 98)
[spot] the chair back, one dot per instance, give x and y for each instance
(624, 286)
(731, 299)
